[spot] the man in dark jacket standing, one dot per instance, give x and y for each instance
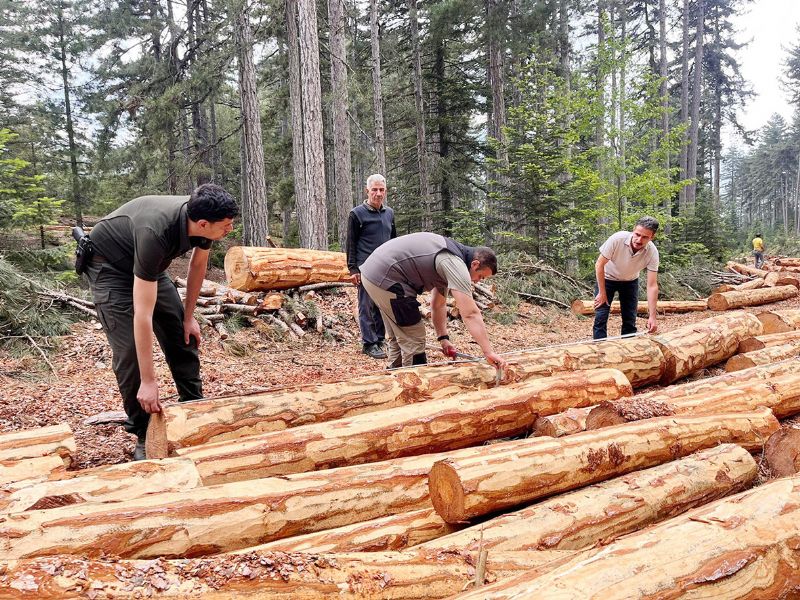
(370, 225)
(136, 300)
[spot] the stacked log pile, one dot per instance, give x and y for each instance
(380, 486)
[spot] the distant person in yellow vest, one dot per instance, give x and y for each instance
(758, 250)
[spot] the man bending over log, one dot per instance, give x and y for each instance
(622, 257)
(402, 268)
(135, 298)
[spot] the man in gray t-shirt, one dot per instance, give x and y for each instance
(622, 257)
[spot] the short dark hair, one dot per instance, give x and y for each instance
(650, 223)
(212, 203)
(486, 258)
(758, 235)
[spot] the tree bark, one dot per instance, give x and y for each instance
(43, 441)
(683, 205)
(739, 547)
(275, 575)
(782, 452)
(602, 512)
(342, 165)
(256, 222)
(780, 321)
(664, 93)
(395, 532)
(765, 341)
(433, 426)
(707, 342)
(764, 356)
(377, 92)
(697, 91)
(258, 269)
(419, 117)
(193, 423)
(586, 307)
(101, 484)
(513, 473)
(745, 269)
(738, 299)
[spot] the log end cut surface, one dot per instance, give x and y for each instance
(782, 452)
(739, 363)
(447, 494)
(156, 445)
(236, 270)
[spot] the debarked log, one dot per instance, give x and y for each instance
(199, 422)
(29, 468)
(249, 268)
(599, 513)
(744, 546)
(779, 321)
(568, 422)
(745, 269)
(782, 452)
(765, 356)
(764, 341)
(433, 426)
(419, 575)
(101, 484)
(42, 441)
(738, 299)
(586, 307)
(778, 278)
(707, 342)
(513, 473)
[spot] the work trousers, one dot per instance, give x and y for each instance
(759, 257)
(369, 319)
(112, 290)
(405, 345)
(628, 301)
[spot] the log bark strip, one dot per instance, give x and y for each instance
(782, 452)
(707, 342)
(780, 321)
(396, 532)
(765, 341)
(42, 441)
(738, 299)
(744, 546)
(258, 269)
(586, 307)
(433, 426)
(764, 356)
(102, 484)
(516, 472)
(604, 511)
(274, 575)
(199, 422)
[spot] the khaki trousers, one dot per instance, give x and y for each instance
(402, 342)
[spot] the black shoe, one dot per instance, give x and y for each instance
(139, 453)
(374, 351)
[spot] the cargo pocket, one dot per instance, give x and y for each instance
(406, 311)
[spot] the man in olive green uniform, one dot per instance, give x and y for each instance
(135, 298)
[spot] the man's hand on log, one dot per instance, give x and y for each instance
(600, 300)
(148, 397)
(652, 325)
(191, 328)
(497, 361)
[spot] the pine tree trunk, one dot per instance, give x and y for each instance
(342, 167)
(513, 473)
(296, 107)
(419, 117)
(782, 452)
(683, 204)
(697, 91)
(377, 92)
(605, 511)
(664, 93)
(256, 218)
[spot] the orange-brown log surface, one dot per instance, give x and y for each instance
(586, 307)
(707, 342)
(275, 575)
(101, 484)
(249, 269)
(782, 452)
(42, 441)
(779, 321)
(513, 473)
(740, 547)
(29, 468)
(395, 532)
(745, 269)
(764, 341)
(787, 261)
(604, 511)
(738, 299)
(778, 278)
(568, 422)
(193, 423)
(765, 356)
(426, 427)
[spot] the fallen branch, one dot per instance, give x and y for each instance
(543, 299)
(324, 285)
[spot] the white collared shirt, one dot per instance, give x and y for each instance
(623, 264)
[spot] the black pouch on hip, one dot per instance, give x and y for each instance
(406, 311)
(83, 252)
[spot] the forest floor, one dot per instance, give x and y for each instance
(82, 383)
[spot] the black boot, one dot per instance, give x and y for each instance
(139, 452)
(419, 359)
